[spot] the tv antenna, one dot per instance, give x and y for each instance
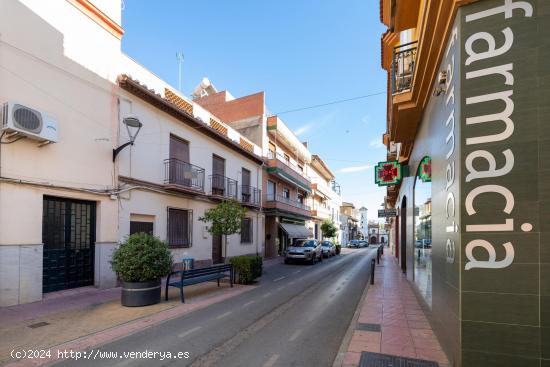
(179, 57)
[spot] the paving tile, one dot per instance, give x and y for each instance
(351, 358)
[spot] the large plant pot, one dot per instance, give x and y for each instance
(136, 294)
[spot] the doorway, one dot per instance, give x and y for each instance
(180, 169)
(217, 257)
(403, 239)
(218, 175)
(68, 235)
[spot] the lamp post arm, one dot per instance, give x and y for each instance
(119, 149)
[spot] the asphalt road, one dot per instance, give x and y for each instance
(297, 316)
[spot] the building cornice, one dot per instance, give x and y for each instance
(92, 12)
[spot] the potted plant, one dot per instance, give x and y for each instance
(140, 262)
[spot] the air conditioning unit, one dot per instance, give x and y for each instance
(26, 121)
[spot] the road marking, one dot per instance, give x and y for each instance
(271, 361)
(297, 271)
(190, 331)
(295, 335)
(292, 282)
(267, 295)
(280, 288)
(281, 278)
(248, 303)
(224, 315)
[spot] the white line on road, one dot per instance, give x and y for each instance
(281, 278)
(297, 271)
(271, 361)
(224, 315)
(267, 295)
(249, 303)
(185, 333)
(280, 288)
(295, 335)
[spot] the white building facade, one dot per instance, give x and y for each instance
(64, 206)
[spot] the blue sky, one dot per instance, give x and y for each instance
(301, 53)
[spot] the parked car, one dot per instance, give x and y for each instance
(363, 243)
(304, 250)
(328, 248)
(354, 243)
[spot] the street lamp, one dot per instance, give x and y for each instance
(133, 125)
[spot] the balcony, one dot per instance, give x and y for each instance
(250, 195)
(402, 71)
(287, 204)
(184, 176)
(287, 171)
(321, 212)
(223, 187)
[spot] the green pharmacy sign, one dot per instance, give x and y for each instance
(388, 173)
(425, 170)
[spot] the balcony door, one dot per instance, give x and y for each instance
(180, 169)
(245, 187)
(218, 175)
(270, 190)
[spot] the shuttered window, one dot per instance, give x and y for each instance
(246, 230)
(180, 227)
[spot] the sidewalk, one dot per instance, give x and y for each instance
(83, 318)
(391, 322)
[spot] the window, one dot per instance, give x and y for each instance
(271, 190)
(423, 230)
(246, 230)
(300, 198)
(272, 150)
(180, 227)
(141, 227)
(287, 159)
(301, 168)
(286, 193)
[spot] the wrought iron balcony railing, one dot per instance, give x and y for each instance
(223, 186)
(250, 195)
(404, 60)
(288, 201)
(184, 174)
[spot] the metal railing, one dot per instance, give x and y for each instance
(185, 174)
(250, 195)
(404, 60)
(280, 158)
(223, 186)
(288, 201)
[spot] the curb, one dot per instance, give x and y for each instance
(338, 361)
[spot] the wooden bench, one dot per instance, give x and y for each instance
(195, 276)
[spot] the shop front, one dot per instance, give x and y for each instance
(470, 234)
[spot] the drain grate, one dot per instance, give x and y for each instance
(38, 324)
(369, 359)
(367, 327)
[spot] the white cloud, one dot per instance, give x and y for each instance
(356, 168)
(317, 123)
(376, 143)
(303, 129)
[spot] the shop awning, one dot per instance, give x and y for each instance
(295, 230)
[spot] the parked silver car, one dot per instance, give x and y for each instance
(304, 250)
(328, 248)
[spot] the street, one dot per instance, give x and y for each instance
(297, 316)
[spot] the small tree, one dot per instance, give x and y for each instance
(329, 229)
(225, 219)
